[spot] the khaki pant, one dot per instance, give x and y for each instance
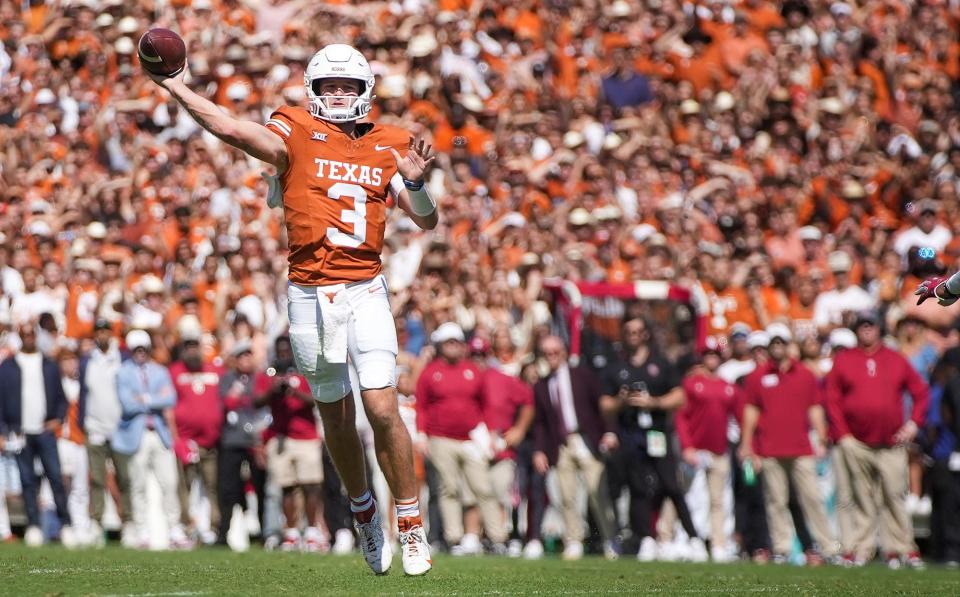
(575, 459)
(849, 520)
(878, 479)
(718, 477)
(458, 462)
(206, 470)
(776, 491)
(502, 476)
(97, 457)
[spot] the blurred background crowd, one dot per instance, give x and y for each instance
(791, 163)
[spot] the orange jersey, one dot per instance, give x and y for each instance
(335, 196)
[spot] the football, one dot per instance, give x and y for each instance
(162, 52)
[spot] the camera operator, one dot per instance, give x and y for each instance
(293, 449)
(243, 424)
(641, 391)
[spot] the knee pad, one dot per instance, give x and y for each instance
(332, 382)
(377, 369)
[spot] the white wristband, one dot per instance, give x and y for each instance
(421, 202)
(953, 284)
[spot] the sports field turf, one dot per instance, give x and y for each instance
(53, 571)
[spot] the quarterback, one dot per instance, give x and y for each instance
(334, 175)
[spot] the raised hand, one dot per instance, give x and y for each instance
(417, 161)
(935, 287)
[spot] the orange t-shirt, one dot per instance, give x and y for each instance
(335, 196)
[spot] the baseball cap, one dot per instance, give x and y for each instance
(810, 233)
(842, 338)
(102, 324)
(779, 330)
(740, 329)
(866, 316)
(839, 261)
(447, 331)
(579, 217)
(138, 339)
(758, 339)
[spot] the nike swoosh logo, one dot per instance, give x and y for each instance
(379, 147)
(151, 58)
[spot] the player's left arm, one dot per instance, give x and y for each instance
(413, 198)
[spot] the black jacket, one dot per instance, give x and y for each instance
(10, 415)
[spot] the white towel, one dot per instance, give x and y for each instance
(335, 312)
(274, 192)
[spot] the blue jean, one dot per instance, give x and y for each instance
(43, 446)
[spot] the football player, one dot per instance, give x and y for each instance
(334, 175)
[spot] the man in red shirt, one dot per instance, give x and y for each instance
(508, 413)
(195, 427)
(865, 403)
(702, 429)
(293, 448)
(449, 411)
(783, 402)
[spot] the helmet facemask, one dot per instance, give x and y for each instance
(321, 106)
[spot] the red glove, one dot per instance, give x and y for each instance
(935, 287)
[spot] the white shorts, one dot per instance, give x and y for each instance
(330, 323)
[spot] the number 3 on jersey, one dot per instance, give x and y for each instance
(356, 216)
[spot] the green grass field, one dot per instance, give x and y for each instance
(54, 571)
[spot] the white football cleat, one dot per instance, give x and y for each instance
(415, 551)
(95, 536)
(33, 537)
(375, 549)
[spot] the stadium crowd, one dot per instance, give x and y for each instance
(796, 164)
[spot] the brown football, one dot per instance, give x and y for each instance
(162, 52)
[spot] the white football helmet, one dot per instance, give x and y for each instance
(339, 61)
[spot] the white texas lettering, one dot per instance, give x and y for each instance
(345, 172)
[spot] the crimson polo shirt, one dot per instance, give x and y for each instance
(784, 399)
(865, 395)
(702, 422)
(503, 396)
(199, 412)
(292, 417)
(449, 399)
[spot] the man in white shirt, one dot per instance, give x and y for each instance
(32, 408)
(926, 233)
(100, 413)
(831, 306)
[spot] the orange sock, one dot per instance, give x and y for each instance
(407, 523)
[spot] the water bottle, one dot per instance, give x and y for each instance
(749, 476)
